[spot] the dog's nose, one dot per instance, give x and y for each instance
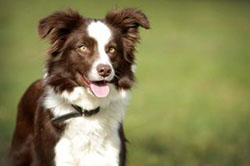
(104, 70)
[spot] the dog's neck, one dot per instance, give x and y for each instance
(61, 104)
(78, 113)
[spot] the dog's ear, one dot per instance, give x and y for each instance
(57, 26)
(128, 21)
(59, 23)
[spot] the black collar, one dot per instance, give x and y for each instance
(79, 113)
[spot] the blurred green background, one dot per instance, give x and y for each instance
(191, 103)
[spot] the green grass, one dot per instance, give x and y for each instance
(190, 106)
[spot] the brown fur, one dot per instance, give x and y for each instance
(35, 137)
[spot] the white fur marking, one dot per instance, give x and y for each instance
(102, 34)
(73, 96)
(133, 68)
(91, 141)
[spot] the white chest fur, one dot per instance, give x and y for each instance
(89, 141)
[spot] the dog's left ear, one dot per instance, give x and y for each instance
(128, 21)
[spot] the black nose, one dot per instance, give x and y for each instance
(104, 70)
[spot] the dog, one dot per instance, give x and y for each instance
(73, 115)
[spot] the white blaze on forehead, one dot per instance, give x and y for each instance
(100, 32)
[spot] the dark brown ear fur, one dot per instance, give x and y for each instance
(57, 26)
(127, 18)
(127, 21)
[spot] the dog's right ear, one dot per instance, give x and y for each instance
(59, 24)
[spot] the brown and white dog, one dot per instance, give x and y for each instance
(73, 116)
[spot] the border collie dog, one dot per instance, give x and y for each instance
(73, 116)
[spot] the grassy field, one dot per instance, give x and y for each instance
(191, 103)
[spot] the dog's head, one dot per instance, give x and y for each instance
(92, 53)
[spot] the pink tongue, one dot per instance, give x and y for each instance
(100, 90)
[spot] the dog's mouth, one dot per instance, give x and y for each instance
(98, 88)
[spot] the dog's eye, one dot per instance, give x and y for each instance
(83, 48)
(112, 51)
